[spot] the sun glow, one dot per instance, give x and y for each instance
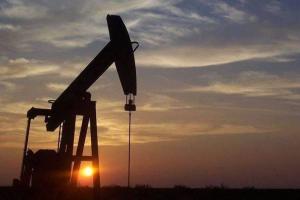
(87, 171)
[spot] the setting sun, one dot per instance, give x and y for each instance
(87, 171)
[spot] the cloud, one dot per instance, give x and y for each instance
(15, 107)
(254, 84)
(8, 27)
(183, 47)
(174, 10)
(8, 85)
(190, 56)
(19, 61)
(20, 10)
(273, 7)
(171, 33)
(161, 113)
(22, 67)
(231, 13)
(161, 102)
(67, 24)
(185, 41)
(57, 87)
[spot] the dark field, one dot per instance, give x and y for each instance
(177, 193)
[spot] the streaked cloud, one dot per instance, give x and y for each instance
(174, 33)
(232, 13)
(8, 27)
(273, 7)
(22, 67)
(22, 10)
(200, 56)
(254, 84)
(57, 87)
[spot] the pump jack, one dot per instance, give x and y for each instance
(50, 168)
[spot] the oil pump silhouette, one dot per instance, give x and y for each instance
(50, 168)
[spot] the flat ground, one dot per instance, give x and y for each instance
(145, 193)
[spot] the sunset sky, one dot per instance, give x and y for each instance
(218, 87)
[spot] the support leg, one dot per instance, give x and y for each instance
(70, 131)
(66, 147)
(22, 178)
(79, 151)
(63, 140)
(94, 141)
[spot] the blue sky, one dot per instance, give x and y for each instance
(205, 68)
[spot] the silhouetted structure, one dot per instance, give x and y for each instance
(51, 169)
